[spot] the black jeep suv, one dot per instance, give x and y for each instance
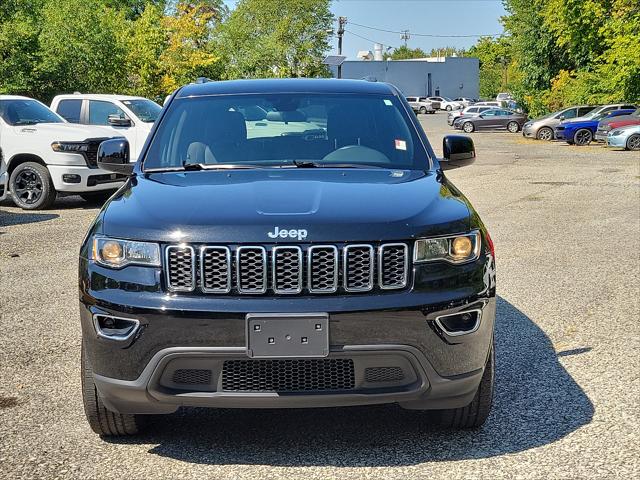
(286, 243)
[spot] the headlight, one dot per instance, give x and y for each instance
(70, 147)
(115, 253)
(615, 133)
(454, 249)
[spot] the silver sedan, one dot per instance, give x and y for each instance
(625, 137)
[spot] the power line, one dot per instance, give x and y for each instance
(405, 32)
(367, 39)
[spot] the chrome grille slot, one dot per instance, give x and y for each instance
(393, 265)
(180, 268)
(251, 269)
(215, 269)
(323, 269)
(287, 269)
(358, 268)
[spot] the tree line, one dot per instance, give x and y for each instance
(150, 47)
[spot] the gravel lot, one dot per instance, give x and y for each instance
(566, 224)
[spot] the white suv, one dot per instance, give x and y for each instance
(446, 103)
(125, 116)
(41, 154)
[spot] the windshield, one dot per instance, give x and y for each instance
(26, 112)
(447, 99)
(269, 130)
(146, 110)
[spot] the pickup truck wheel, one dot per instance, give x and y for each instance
(468, 127)
(582, 137)
(449, 108)
(97, 197)
(423, 110)
(545, 133)
(475, 414)
(31, 186)
(102, 421)
(633, 142)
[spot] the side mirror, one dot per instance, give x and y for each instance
(458, 151)
(118, 121)
(113, 156)
(561, 118)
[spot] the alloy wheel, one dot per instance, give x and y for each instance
(633, 142)
(583, 137)
(468, 127)
(28, 186)
(545, 134)
(513, 127)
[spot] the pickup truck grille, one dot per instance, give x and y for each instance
(287, 269)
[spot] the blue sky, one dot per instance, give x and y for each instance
(433, 17)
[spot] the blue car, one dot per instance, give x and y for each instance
(581, 132)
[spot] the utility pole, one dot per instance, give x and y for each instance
(341, 23)
(405, 36)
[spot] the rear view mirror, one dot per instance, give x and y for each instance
(458, 151)
(118, 121)
(113, 156)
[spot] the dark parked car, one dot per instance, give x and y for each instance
(316, 257)
(493, 119)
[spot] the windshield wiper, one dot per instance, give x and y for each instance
(311, 164)
(193, 167)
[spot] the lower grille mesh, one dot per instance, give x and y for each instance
(192, 376)
(383, 374)
(288, 375)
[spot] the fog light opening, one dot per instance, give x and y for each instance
(71, 178)
(461, 323)
(115, 328)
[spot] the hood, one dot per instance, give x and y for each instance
(68, 132)
(243, 206)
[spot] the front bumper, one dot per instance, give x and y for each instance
(528, 132)
(601, 136)
(559, 134)
(617, 141)
(85, 179)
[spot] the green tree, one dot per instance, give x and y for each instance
(265, 38)
(497, 69)
(405, 53)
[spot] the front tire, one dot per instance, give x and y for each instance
(102, 421)
(423, 110)
(513, 127)
(582, 137)
(31, 186)
(633, 142)
(449, 108)
(475, 414)
(545, 133)
(468, 127)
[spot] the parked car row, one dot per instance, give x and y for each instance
(487, 118)
(580, 125)
(46, 152)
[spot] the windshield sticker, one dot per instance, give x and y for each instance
(388, 102)
(401, 145)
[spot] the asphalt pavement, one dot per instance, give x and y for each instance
(566, 224)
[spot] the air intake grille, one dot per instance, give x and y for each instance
(252, 269)
(287, 270)
(383, 374)
(290, 269)
(358, 268)
(393, 265)
(191, 376)
(215, 274)
(181, 268)
(311, 375)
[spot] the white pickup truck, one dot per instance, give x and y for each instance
(42, 155)
(126, 116)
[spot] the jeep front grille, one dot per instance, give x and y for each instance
(287, 269)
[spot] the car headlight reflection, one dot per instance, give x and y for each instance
(115, 253)
(453, 249)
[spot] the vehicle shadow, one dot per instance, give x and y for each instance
(536, 403)
(23, 217)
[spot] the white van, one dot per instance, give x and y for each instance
(126, 116)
